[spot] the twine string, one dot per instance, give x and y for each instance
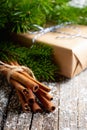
(77, 32)
(15, 68)
(41, 31)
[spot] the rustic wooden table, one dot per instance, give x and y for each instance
(70, 99)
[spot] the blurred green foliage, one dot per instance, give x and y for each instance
(19, 15)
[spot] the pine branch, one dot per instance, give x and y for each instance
(44, 67)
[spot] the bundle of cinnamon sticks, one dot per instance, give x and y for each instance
(33, 95)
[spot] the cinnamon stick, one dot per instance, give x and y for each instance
(48, 105)
(23, 80)
(35, 107)
(24, 104)
(23, 72)
(19, 87)
(42, 86)
(26, 81)
(16, 64)
(45, 94)
(30, 98)
(12, 63)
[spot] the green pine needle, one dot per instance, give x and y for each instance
(39, 58)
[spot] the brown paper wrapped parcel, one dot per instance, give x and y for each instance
(70, 53)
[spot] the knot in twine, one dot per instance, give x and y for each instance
(15, 68)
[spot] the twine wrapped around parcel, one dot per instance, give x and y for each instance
(28, 88)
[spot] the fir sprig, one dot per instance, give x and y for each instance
(18, 15)
(39, 58)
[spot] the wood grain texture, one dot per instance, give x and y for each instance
(5, 90)
(12, 115)
(73, 103)
(82, 101)
(24, 121)
(68, 105)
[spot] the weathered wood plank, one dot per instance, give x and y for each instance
(24, 121)
(82, 101)
(5, 90)
(48, 121)
(68, 104)
(16, 118)
(11, 121)
(12, 115)
(17, 121)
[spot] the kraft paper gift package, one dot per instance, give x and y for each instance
(69, 45)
